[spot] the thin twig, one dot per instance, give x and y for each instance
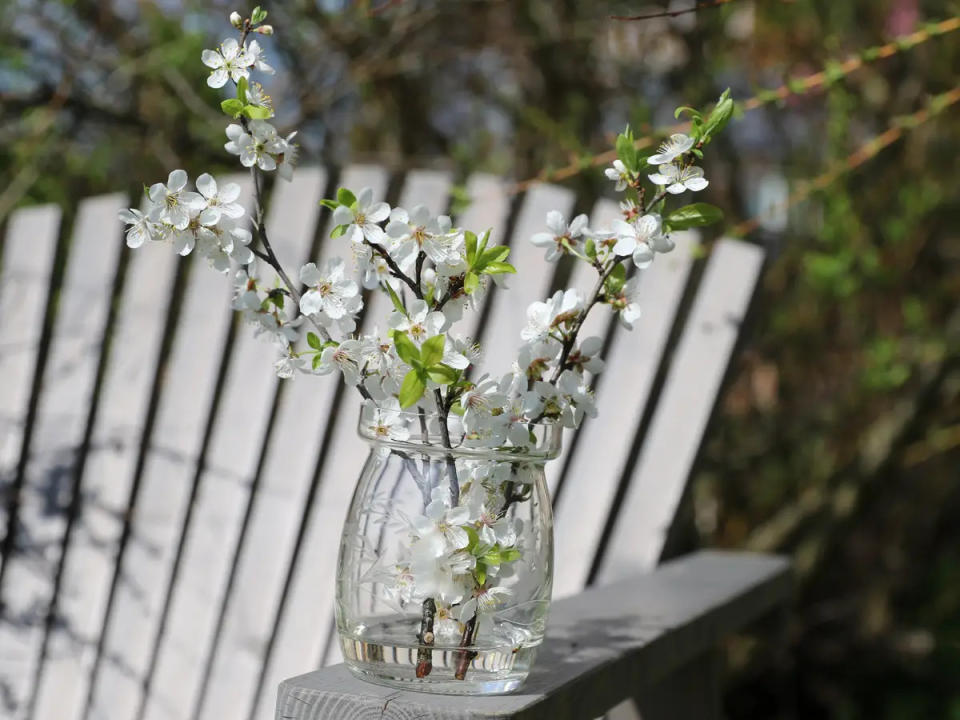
(675, 13)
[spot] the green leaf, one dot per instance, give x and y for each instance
(509, 555)
(497, 253)
(256, 112)
(338, 231)
(329, 204)
(406, 348)
(258, 15)
(471, 281)
(720, 115)
(590, 249)
(412, 389)
(499, 268)
(480, 574)
(432, 350)
(483, 242)
(616, 279)
(242, 86)
(443, 374)
(345, 197)
(316, 360)
(471, 241)
(232, 107)
(314, 341)
(694, 215)
(394, 298)
(626, 150)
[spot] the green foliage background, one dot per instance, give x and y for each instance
(838, 439)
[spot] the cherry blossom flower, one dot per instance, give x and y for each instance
(637, 238)
(625, 304)
(258, 147)
(561, 234)
(230, 62)
(619, 174)
(361, 220)
(678, 179)
(171, 203)
(485, 600)
(218, 201)
(140, 227)
(675, 146)
(419, 322)
(331, 292)
(344, 358)
(254, 56)
(418, 230)
(542, 317)
(386, 421)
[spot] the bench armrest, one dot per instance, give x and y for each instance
(601, 646)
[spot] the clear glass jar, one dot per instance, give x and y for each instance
(446, 558)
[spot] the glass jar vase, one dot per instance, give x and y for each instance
(446, 557)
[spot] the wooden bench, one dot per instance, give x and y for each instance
(170, 511)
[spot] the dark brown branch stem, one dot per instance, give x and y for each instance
(395, 269)
(463, 656)
(426, 638)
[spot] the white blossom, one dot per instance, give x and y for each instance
(675, 146)
(386, 421)
(420, 323)
(485, 600)
(344, 358)
(331, 292)
(362, 220)
(678, 179)
(230, 62)
(626, 303)
(638, 238)
(258, 147)
(255, 58)
(619, 174)
(218, 201)
(417, 230)
(171, 203)
(542, 317)
(560, 234)
(140, 227)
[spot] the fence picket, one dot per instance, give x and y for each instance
(690, 391)
(598, 462)
(289, 467)
(106, 484)
(54, 458)
(302, 623)
(29, 249)
(507, 314)
(166, 483)
(223, 493)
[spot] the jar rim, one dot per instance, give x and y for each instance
(547, 435)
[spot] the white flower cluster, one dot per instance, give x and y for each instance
(208, 220)
(451, 546)
(418, 367)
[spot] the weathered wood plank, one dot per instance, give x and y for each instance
(508, 308)
(601, 646)
(304, 618)
(584, 278)
(489, 207)
(604, 445)
(689, 394)
(106, 484)
(54, 454)
(146, 564)
(29, 249)
(223, 492)
(285, 480)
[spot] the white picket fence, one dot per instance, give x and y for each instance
(172, 511)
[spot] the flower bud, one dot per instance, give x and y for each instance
(236, 20)
(265, 30)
